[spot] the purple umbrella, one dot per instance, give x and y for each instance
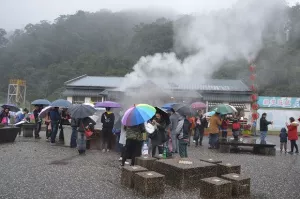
(107, 104)
(11, 107)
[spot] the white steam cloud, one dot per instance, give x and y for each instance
(229, 34)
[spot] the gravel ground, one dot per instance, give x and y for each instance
(33, 169)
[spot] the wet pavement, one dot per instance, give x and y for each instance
(33, 169)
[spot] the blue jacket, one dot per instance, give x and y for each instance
(54, 116)
(283, 135)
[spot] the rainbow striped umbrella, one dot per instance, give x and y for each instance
(138, 114)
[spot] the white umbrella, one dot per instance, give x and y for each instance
(234, 109)
(45, 111)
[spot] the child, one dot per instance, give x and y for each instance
(236, 126)
(283, 139)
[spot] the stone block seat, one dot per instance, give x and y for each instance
(145, 161)
(240, 184)
(8, 134)
(226, 168)
(149, 183)
(127, 176)
(28, 129)
(215, 188)
(184, 173)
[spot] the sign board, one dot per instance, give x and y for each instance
(278, 102)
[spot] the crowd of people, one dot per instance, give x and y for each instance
(168, 136)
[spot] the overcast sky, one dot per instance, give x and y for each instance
(18, 13)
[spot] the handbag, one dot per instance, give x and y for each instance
(4, 120)
(87, 132)
(149, 128)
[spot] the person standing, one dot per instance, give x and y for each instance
(183, 129)
(22, 116)
(48, 126)
(192, 129)
(74, 135)
(83, 125)
(55, 118)
(224, 127)
(134, 140)
(38, 121)
(108, 121)
(264, 127)
(293, 134)
(158, 138)
(283, 139)
(214, 124)
(174, 122)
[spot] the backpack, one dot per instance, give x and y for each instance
(236, 126)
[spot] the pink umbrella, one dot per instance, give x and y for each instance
(198, 105)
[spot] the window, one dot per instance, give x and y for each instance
(78, 100)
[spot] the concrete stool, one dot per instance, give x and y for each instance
(215, 188)
(149, 183)
(145, 161)
(240, 184)
(224, 148)
(127, 176)
(226, 168)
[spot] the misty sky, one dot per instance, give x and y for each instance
(18, 13)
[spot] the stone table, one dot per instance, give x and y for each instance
(215, 188)
(127, 176)
(211, 160)
(28, 129)
(184, 173)
(149, 183)
(8, 134)
(145, 161)
(240, 184)
(226, 168)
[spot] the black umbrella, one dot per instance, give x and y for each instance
(41, 102)
(11, 107)
(163, 114)
(184, 109)
(81, 111)
(61, 103)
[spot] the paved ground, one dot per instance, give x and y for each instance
(32, 169)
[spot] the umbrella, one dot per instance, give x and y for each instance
(41, 102)
(233, 108)
(11, 107)
(209, 114)
(108, 104)
(45, 111)
(61, 103)
(168, 106)
(138, 114)
(223, 109)
(81, 111)
(163, 114)
(198, 105)
(184, 110)
(90, 104)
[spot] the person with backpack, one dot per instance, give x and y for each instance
(108, 121)
(183, 129)
(236, 128)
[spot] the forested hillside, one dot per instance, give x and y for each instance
(106, 43)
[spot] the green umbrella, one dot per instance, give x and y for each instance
(223, 109)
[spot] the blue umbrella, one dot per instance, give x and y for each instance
(168, 106)
(41, 102)
(61, 103)
(209, 114)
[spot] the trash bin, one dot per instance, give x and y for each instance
(67, 134)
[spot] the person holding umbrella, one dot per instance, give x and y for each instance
(182, 131)
(81, 115)
(108, 121)
(174, 122)
(55, 118)
(134, 119)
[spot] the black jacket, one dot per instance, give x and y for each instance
(108, 120)
(264, 124)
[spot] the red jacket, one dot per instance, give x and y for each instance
(292, 131)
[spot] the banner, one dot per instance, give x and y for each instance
(278, 102)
